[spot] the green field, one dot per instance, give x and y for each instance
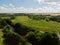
(40, 25)
(1, 39)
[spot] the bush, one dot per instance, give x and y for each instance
(12, 39)
(55, 18)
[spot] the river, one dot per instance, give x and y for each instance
(11, 28)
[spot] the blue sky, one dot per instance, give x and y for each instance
(29, 6)
(21, 3)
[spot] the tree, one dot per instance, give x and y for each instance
(9, 22)
(38, 38)
(2, 23)
(49, 39)
(31, 38)
(12, 39)
(34, 37)
(20, 29)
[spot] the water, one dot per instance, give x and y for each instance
(11, 28)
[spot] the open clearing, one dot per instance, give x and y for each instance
(41, 25)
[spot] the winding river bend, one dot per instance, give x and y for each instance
(11, 28)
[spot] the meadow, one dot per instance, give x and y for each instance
(41, 25)
(1, 38)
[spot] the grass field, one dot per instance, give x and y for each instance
(56, 25)
(40, 25)
(1, 39)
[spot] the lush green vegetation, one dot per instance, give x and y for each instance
(41, 25)
(1, 38)
(28, 29)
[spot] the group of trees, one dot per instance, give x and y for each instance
(2, 23)
(55, 18)
(13, 38)
(29, 38)
(43, 38)
(44, 17)
(21, 29)
(35, 17)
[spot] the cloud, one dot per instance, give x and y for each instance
(39, 1)
(52, 2)
(29, 10)
(48, 6)
(48, 0)
(49, 3)
(46, 9)
(4, 5)
(11, 5)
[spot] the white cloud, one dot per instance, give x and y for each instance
(53, 3)
(45, 9)
(49, 2)
(39, 1)
(29, 10)
(52, 0)
(4, 5)
(11, 5)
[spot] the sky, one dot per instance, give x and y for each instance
(29, 6)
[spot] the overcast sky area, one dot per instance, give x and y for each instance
(29, 6)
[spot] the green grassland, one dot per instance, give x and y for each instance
(40, 25)
(56, 25)
(1, 39)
